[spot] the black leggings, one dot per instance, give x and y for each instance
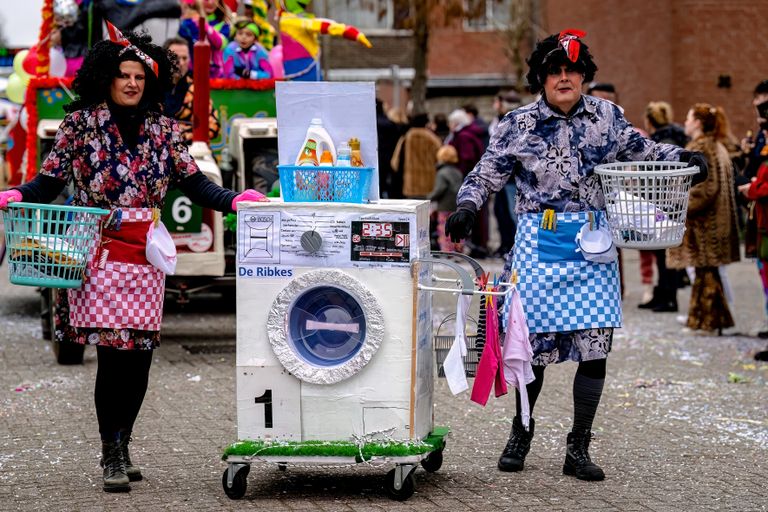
(594, 369)
(121, 383)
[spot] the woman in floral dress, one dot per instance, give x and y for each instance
(122, 154)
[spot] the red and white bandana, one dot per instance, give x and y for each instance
(117, 37)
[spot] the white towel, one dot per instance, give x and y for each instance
(453, 366)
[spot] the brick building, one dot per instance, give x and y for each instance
(681, 51)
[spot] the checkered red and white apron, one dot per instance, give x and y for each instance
(120, 292)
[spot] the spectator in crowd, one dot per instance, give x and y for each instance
(387, 134)
(415, 158)
(604, 90)
(257, 10)
(470, 148)
(477, 125)
(659, 124)
(178, 102)
(757, 191)
(219, 16)
(504, 200)
(503, 102)
(244, 57)
(711, 236)
(443, 195)
(191, 12)
(464, 138)
(752, 186)
(400, 119)
(439, 125)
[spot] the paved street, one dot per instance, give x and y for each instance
(683, 425)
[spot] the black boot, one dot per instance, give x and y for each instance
(133, 472)
(513, 456)
(577, 461)
(655, 299)
(667, 302)
(115, 479)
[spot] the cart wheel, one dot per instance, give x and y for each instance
(433, 462)
(405, 492)
(239, 483)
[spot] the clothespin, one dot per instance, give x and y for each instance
(549, 220)
(591, 221)
(155, 216)
(513, 277)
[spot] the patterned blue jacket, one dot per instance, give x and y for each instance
(552, 156)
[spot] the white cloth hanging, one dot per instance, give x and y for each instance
(518, 354)
(453, 366)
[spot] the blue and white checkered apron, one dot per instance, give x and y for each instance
(560, 290)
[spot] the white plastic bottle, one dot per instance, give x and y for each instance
(344, 156)
(320, 136)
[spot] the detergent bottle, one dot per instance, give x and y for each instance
(316, 138)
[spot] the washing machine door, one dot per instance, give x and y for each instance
(325, 326)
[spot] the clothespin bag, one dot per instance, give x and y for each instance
(160, 250)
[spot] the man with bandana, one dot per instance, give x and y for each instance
(572, 304)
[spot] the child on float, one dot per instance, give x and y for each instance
(244, 57)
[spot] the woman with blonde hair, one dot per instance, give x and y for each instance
(711, 235)
(447, 183)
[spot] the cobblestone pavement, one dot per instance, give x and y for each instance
(683, 425)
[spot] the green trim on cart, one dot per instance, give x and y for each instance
(254, 448)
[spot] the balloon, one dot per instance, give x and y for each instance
(16, 88)
(65, 12)
(58, 63)
(18, 64)
(30, 61)
(276, 61)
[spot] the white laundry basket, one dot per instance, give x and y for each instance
(646, 202)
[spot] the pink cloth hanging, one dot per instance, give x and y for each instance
(490, 373)
(518, 354)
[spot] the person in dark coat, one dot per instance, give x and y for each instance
(388, 134)
(469, 148)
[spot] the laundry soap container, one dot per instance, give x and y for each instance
(317, 137)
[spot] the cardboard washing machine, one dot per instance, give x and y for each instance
(333, 335)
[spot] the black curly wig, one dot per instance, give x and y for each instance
(549, 52)
(102, 64)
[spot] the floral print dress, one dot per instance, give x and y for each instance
(106, 173)
(551, 157)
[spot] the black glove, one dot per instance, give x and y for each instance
(699, 160)
(459, 223)
(243, 72)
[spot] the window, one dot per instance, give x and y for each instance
(365, 14)
(487, 14)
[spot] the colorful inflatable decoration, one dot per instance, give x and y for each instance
(266, 30)
(299, 33)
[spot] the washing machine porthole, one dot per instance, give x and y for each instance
(326, 326)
